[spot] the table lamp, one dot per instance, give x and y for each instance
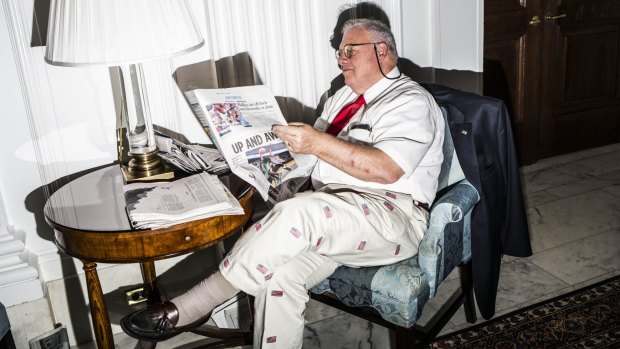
(124, 33)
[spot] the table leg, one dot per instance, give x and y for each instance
(98, 310)
(151, 291)
(220, 251)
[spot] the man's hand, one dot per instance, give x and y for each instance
(363, 162)
(299, 137)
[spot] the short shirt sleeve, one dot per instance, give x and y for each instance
(404, 129)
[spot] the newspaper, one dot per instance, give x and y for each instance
(234, 313)
(190, 158)
(161, 204)
(54, 339)
(239, 121)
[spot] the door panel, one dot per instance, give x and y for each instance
(588, 68)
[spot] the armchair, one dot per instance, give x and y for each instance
(394, 295)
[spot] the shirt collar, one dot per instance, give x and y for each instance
(380, 85)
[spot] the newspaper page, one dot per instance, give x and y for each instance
(239, 121)
(56, 339)
(190, 158)
(162, 204)
(234, 313)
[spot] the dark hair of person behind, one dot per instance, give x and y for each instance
(364, 9)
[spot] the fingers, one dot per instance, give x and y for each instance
(297, 137)
(278, 130)
(283, 132)
(288, 128)
(286, 132)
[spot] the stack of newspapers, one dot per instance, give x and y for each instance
(162, 204)
(190, 158)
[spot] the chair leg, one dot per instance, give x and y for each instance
(7, 342)
(403, 339)
(467, 286)
(147, 345)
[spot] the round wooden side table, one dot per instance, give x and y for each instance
(90, 223)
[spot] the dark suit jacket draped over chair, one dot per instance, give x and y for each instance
(484, 144)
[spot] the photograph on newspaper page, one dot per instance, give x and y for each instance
(239, 121)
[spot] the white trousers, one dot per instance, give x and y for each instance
(303, 240)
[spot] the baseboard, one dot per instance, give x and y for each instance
(21, 292)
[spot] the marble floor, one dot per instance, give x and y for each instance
(573, 205)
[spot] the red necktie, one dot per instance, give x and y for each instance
(343, 117)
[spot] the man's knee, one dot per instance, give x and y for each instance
(287, 278)
(308, 269)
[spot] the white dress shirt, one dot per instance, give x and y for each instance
(400, 118)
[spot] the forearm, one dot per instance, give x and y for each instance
(362, 162)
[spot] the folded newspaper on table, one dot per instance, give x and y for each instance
(239, 121)
(190, 158)
(162, 204)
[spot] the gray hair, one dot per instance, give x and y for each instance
(378, 29)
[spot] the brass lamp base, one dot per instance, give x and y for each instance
(146, 167)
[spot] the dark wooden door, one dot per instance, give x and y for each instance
(512, 69)
(556, 64)
(581, 75)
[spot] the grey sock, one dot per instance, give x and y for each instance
(204, 297)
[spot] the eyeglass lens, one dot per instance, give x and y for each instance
(347, 51)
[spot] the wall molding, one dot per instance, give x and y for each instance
(19, 281)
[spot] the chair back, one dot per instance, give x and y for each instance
(447, 241)
(451, 171)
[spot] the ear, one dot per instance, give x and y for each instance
(382, 50)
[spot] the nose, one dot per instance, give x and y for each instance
(342, 59)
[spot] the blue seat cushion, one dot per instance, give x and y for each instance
(397, 291)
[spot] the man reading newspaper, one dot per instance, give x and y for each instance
(379, 149)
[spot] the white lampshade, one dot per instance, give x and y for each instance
(118, 32)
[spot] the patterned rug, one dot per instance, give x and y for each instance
(585, 318)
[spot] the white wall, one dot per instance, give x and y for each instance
(460, 34)
(57, 121)
(418, 31)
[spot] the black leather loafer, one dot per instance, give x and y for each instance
(157, 322)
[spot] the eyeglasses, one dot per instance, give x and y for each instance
(348, 51)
